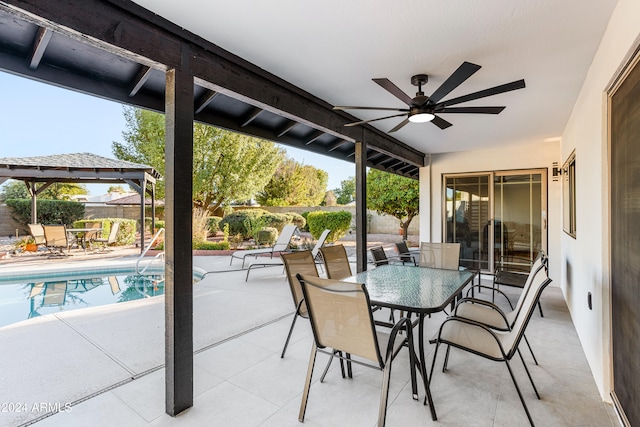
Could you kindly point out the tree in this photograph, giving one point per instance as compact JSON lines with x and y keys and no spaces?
{"x":116,"y":189}
{"x":16,"y":189}
{"x":393,"y":195}
{"x":294,"y":184}
{"x":347,"y":191}
{"x":329,"y":199}
{"x":226,"y":166}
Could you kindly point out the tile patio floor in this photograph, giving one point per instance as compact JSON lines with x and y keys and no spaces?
{"x":107,"y":363}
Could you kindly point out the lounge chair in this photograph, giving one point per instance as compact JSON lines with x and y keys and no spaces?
{"x":281,"y":245}
{"x":314,"y":253}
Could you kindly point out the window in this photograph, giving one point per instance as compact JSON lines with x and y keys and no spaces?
{"x":569,"y":195}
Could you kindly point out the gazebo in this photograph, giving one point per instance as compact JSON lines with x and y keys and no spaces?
{"x":40,"y":172}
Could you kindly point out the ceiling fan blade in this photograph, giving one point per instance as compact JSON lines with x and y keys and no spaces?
{"x":347,"y":107}
{"x":463,"y":72}
{"x":473,"y":110}
{"x":374,"y":120}
{"x":400,"y":125}
{"x":394,"y":90}
{"x":518,"y":84}
{"x":440,"y":122}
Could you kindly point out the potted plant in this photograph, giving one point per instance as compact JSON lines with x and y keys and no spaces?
{"x":26,"y":244}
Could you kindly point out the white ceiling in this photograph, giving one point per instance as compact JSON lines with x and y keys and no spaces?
{"x":333,"y":48}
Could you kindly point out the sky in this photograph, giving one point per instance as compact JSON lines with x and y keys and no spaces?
{"x":38,"y":119}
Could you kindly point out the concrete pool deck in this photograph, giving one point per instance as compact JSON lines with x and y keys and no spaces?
{"x":103,"y":366}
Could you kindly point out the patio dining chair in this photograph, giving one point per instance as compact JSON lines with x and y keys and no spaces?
{"x":341,"y":319}
{"x":298,"y":263}
{"x":336,"y":262}
{"x":491,"y":315}
{"x":57,"y":239}
{"x":504,"y":276}
{"x":37,"y":232}
{"x":486,"y":342}
{"x":281,"y":245}
{"x":407,"y":256}
{"x":380,"y":257}
{"x":113,"y":233}
{"x":440,"y":255}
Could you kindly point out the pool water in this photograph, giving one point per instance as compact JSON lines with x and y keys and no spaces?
{"x":29,"y":298}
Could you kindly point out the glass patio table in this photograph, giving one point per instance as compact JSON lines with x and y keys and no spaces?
{"x":416,"y":290}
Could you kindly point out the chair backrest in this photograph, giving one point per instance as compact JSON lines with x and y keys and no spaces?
{"x":538,"y":269}
{"x":93,"y":234}
{"x":379,"y":255}
{"x":55,"y":294}
{"x":282,"y":243}
{"x":319,"y":243}
{"x":56,"y":236}
{"x":403,"y":251}
{"x":303,"y":263}
{"x":538,"y":283}
{"x":341,"y":318}
{"x":37,"y":232}
{"x":336,"y":262}
{"x":440,"y":255}
{"x":113,"y":233}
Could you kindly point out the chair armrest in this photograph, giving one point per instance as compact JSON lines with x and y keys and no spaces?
{"x":490,"y":332}
{"x":484,"y":303}
{"x":491,"y":289}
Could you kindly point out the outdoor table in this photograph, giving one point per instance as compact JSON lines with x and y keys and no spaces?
{"x":416,"y":290}
{"x":81,"y":235}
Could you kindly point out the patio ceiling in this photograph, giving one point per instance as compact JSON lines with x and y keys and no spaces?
{"x":124,"y":55}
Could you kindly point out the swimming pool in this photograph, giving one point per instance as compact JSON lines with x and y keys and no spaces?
{"x":27,"y":295}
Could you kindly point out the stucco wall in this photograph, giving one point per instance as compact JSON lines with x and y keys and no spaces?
{"x":538,"y":155}
{"x":585,"y":259}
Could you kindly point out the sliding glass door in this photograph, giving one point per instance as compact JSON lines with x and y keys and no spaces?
{"x":496,"y":216}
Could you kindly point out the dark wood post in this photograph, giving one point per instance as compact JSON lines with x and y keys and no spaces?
{"x":361,"y":205}
{"x":178,"y":254}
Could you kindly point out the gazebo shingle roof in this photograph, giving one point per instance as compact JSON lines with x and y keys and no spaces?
{"x":76,"y":161}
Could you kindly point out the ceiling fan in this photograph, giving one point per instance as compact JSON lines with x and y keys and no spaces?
{"x":424,"y":108}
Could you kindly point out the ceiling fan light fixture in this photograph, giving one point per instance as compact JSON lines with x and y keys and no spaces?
{"x":421,"y":117}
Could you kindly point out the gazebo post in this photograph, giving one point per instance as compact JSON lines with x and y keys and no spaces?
{"x":34,"y":202}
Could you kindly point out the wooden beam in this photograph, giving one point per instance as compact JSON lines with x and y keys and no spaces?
{"x":39,"y":46}
{"x":286,"y":128}
{"x":255,"y":112}
{"x":205,"y":100}
{"x":314,"y":137}
{"x":178,"y":255}
{"x":141,"y":77}
{"x":338,"y":145}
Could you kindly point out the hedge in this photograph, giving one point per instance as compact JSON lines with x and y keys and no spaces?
{"x":126,"y":233}
{"x":338,"y":222}
{"x":267,"y":236}
{"x":243,"y":222}
{"x":49,"y":211}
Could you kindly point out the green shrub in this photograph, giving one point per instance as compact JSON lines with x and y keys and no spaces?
{"x":267,"y":236}
{"x":49,"y":211}
{"x":337,"y":222}
{"x":213,"y":222}
{"x":306,"y":221}
{"x":299,"y":220}
{"x":244,"y":222}
{"x":211,"y":246}
{"x":275,"y":220}
{"x":160,"y":224}
{"x":126,"y":233}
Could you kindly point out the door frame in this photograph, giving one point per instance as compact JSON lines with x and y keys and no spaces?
{"x":544,"y":241}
